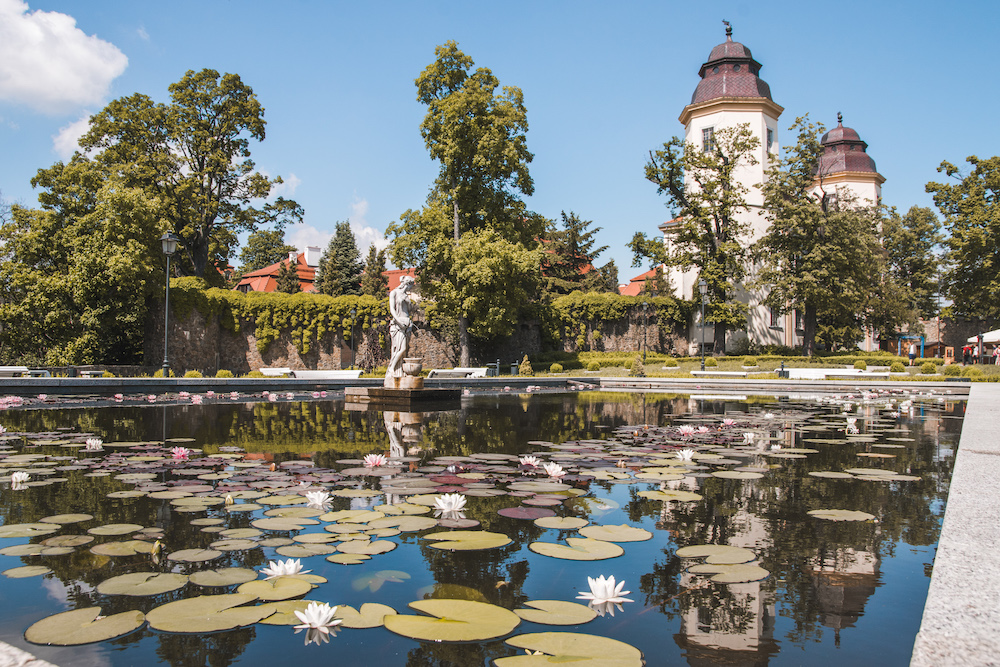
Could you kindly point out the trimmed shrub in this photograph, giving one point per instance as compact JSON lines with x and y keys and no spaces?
{"x":972,"y":372}
{"x":670,"y":362}
{"x":525,"y":367}
{"x":594,"y":366}
{"x":637,"y":370}
{"x":952,"y":370}
{"x":928,"y":368}
{"x":223,"y":373}
{"x":193,"y":374}
{"x":711,"y":361}
{"x":750,"y":361}
{"x":255,"y":374}
{"x":897,"y":367}
{"x":861,"y":365}
{"x":159,"y":373}
{"x":107,"y":374}
{"x":556,"y":368}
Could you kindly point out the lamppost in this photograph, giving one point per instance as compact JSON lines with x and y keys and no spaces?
{"x":169,"y":242}
{"x":703,"y":288}
{"x":354,"y":314}
{"x":645,"y":325}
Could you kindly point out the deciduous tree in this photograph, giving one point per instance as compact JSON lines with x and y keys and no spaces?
{"x":910,"y":241}
{"x":264,"y":247}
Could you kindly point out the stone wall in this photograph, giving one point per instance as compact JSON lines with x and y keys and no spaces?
{"x":202,"y":344}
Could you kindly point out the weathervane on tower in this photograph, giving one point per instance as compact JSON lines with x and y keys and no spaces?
{"x":729,"y":29}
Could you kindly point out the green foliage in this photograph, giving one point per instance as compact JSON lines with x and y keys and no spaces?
{"x":525,"y":367}
{"x":711,"y":362}
{"x":264,"y":247}
{"x":670,"y":362}
{"x":255,"y":375}
{"x":910,"y":242}
{"x":223,"y":373}
{"x":339,"y":270}
{"x":193,"y":374}
{"x":374,"y":282}
{"x":556,"y":368}
{"x":159,"y":373}
{"x":928,"y":368}
{"x":193,"y":156}
{"x":637,"y":369}
{"x":594,"y":366}
{"x":952,"y":370}
{"x":705,"y":194}
{"x":749,"y":361}
{"x":288,"y":278}
{"x":898,"y":367}
{"x":861,"y":365}
{"x":822,"y":254}
{"x":568,"y":253}
{"x":972,"y":372}
{"x":76,"y":275}
{"x":107,"y":374}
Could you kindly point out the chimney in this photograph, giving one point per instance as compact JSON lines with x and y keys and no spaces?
{"x":312,"y":255}
{"x":293,"y":257}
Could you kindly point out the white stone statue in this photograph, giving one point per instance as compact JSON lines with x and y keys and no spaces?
{"x":401,"y":325}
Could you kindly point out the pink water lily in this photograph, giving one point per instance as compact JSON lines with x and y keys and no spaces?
{"x":180,"y":453}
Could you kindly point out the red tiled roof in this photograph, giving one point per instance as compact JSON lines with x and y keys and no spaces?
{"x":730,"y":71}
{"x":266,"y":279}
{"x":634,"y":287}
{"x":843,"y":150}
{"x":395,"y":275}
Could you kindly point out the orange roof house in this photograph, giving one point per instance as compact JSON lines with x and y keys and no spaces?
{"x":636,"y":285}
{"x":266,"y":279}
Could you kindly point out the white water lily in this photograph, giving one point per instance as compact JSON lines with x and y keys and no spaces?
{"x":19,"y":480}
{"x":775,"y":447}
{"x":317,"y":498}
{"x":283,"y":568}
{"x":702,"y":429}
{"x":553,"y":470}
{"x":748,"y":437}
{"x":768,"y":415}
{"x":318,"y":621}
{"x":685,"y":454}
{"x":728,"y":422}
{"x":686,"y":430}
{"x":529,"y":461}
{"x":375,"y":460}
{"x":94,"y":445}
{"x":450,"y":502}
{"x":605,"y":595}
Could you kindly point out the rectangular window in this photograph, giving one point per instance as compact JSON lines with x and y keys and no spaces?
{"x":770,"y":139}
{"x":708,"y":139}
{"x":798,"y":321}
{"x":775,"y":318}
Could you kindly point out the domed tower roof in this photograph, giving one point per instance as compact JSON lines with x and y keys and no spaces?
{"x":843,"y":150}
{"x":730,"y":71}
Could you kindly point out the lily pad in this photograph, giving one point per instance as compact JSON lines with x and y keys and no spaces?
{"x":556,"y":612}
{"x":561,"y":522}
{"x":830,"y":474}
{"x":736,"y":474}
{"x":453,"y":621}
{"x":571,"y":647}
{"x":28,"y":529}
{"x":348,"y":559}
{"x":26,"y":571}
{"x":206,"y":613}
{"x":371,"y":615}
{"x":621,"y":533}
{"x":408,"y":523}
{"x":667,"y":494}
{"x":233,"y":544}
{"x":280,"y":588}
{"x":82,"y":626}
{"x":194,"y":555}
{"x":283,"y":612}
{"x":529,"y":513}
{"x":738,"y":573}
{"x":369,"y":548}
{"x":841,"y":515}
{"x":719,"y":554}
{"x":466,"y":540}
{"x":578,"y":548}
{"x":67,"y":518}
{"x":115,"y":529}
{"x":305,"y":550}
{"x":68,"y":540}
{"x":223,"y":576}
{"x":123,"y":548}
{"x":142,"y":583}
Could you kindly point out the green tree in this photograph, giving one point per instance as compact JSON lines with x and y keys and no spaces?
{"x":604,"y":279}
{"x":194,"y":156}
{"x":478,"y":136}
{"x":910,"y":241}
{"x":568,"y":254}
{"x":78,"y":273}
{"x":822,"y":254}
{"x":339,"y":270}
{"x":288,"y":278}
{"x":711,"y":232}
{"x":264,"y":247}
{"x":971,"y":209}
{"x":656,"y":285}
{"x":374,"y":282}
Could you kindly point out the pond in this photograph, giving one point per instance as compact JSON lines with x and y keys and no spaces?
{"x":646,"y":481}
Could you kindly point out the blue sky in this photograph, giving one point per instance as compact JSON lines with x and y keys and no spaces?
{"x":603,"y":83}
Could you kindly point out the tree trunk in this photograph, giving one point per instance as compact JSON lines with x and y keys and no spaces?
{"x":465,"y":355}
{"x":809,"y":330}
{"x":720,"y":339}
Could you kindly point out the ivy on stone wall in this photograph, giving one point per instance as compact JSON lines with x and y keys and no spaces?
{"x":307,"y":317}
{"x":574,"y":313}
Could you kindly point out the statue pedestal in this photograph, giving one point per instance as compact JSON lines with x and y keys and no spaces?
{"x":399,"y":397}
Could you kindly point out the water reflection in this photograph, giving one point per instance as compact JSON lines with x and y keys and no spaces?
{"x":823,"y":579}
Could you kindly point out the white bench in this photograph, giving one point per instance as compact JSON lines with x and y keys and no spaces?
{"x":730,"y":374}
{"x":328,"y":375}
{"x":828,"y":373}
{"x":458,"y":372}
{"x":92,"y":374}
{"x":275,"y":372}
{"x":13,"y":371}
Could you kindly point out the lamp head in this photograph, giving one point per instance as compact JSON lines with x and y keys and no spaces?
{"x":169,"y":242}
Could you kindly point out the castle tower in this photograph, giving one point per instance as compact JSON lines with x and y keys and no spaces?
{"x":846,"y":167}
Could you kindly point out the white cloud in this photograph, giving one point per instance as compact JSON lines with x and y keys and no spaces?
{"x":67,"y":141}
{"x":49,"y":64}
{"x":287,"y":187}
{"x":364,"y":234}
{"x":143,"y":35}
{"x":303,"y":236}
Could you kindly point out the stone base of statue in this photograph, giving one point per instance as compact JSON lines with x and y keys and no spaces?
{"x":400,"y":392}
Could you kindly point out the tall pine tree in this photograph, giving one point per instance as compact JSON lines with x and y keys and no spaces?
{"x":288,"y":278}
{"x":374,"y":282}
{"x":339,"y":270}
